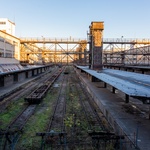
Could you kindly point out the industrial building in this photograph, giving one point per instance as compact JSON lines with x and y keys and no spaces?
{"x":7,"y":26}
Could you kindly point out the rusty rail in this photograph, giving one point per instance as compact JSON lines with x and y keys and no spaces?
{"x":38,"y":94}
{"x":12,"y":133}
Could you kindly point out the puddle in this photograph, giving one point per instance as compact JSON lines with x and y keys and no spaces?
{"x":56,"y":85}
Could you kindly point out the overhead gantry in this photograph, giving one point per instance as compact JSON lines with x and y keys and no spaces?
{"x":101,"y":51}
{"x":126,"y":52}
{"x":47,"y":50}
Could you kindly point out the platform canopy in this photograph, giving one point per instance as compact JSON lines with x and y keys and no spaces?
{"x":132,"y":84}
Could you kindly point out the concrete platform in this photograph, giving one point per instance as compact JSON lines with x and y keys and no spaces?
{"x":135,"y":127}
{"x":139,"y":69}
{"x":4,"y":91}
{"x":132,"y":84}
{"x":10,"y":74}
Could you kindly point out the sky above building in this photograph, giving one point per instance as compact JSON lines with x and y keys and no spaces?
{"x":71,"y":18}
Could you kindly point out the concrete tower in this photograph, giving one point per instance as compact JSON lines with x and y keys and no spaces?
{"x":95,"y":43}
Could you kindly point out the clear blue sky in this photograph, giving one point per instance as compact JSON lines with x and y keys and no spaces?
{"x":65,"y":18}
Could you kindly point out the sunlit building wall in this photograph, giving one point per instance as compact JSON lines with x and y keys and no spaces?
{"x":7,"y":26}
{"x":9,"y":46}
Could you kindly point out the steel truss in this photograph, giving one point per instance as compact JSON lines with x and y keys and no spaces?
{"x":115,"y":51}
{"x":53,"y":51}
{"x":126,"y":52}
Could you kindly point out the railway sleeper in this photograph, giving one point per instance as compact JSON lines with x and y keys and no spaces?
{"x":37,"y":95}
{"x":53,"y":138}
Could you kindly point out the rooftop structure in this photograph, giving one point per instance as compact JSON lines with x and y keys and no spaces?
{"x":7,"y":26}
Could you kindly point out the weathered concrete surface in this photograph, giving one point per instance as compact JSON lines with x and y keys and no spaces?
{"x":123,"y":121}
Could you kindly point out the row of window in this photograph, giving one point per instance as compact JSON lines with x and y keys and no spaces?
{"x":9,"y":42}
{"x":7,"y":55}
{"x":2,"y":22}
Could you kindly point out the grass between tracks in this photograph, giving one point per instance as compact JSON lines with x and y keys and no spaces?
{"x":76,"y":124}
{"x":11,"y":112}
{"x":37,"y":123}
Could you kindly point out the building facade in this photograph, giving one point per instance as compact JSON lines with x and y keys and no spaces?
{"x":7,"y":26}
{"x":9,"y":46}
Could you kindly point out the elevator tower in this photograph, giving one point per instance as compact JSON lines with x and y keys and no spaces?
{"x":95,"y":45}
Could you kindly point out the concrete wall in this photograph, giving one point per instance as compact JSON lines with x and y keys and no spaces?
{"x":43,"y":70}
{"x":15,"y":75}
{"x":7,"y":26}
{"x":1,"y":81}
{"x":8,"y":80}
{"x":9,"y":61}
{"x":29,"y":74}
{"x":12,"y":40}
{"x":21,"y":76}
{"x":39,"y":70}
{"x":34,"y":72}
{"x":6,"y":48}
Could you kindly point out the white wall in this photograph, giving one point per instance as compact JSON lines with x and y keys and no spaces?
{"x":8,"y":61}
{"x":6,"y":49}
{"x":9,"y":44}
{"x":7,"y":26}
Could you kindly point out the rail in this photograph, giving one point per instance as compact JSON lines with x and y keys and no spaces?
{"x":38,"y":94}
{"x":55,"y":127}
{"x":92,"y":111}
{"x":11,"y":135}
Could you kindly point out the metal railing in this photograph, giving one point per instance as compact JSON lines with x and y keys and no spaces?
{"x":45,"y":39}
{"x":126,"y":40}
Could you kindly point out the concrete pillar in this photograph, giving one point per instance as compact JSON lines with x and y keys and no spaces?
{"x":26,"y":74}
{"x":113,"y":89}
{"x":105,"y":85}
{"x":15,"y":75}
{"x":21,"y":76}
{"x":8,"y":80}
{"x":126,"y":98}
{"x":1,"y":81}
{"x":82,"y":71}
{"x":93,"y":79}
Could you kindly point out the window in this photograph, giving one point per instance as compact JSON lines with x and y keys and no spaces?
{"x":2,"y":22}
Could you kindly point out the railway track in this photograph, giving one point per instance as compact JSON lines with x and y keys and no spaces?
{"x":23,"y":90}
{"x":75,"y":122}
{"x":95,"y":129}
{"x":82,"y":124}
{"x":55,"y":135}
{"x":56,"y":122}
{"x":10,"y":136}
{"x":37,"y":95}
{"x":90,"y":110}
